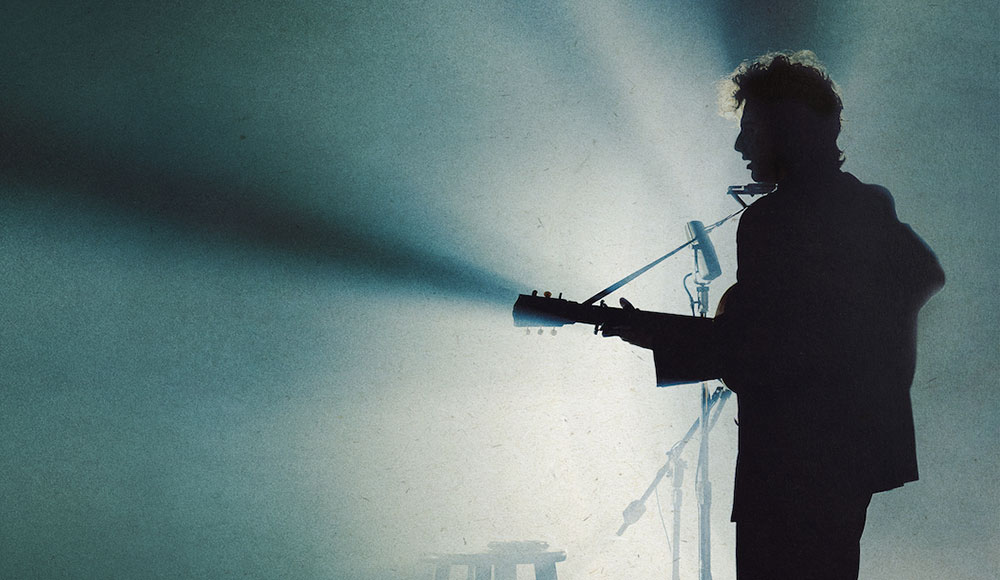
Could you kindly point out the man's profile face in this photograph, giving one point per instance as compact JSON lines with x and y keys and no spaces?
{"x":758,"y":145}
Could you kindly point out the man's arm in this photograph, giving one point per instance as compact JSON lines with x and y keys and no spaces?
{"x":680,"y":355}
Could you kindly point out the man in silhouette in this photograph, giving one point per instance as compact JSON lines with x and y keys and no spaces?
{"x":817,"y":337}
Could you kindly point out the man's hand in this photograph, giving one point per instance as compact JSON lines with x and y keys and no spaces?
{"x":636,"y":333}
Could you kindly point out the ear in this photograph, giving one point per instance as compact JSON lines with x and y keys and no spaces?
{"x":804,"y":128}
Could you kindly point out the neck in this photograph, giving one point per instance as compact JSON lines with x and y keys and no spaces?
{"x":805,"y":172}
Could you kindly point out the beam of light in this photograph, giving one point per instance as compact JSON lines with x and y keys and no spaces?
{"x":664,"y":68}
{"x":665,"y":81}
{"x":546,"y":132}
{"x":527,"y":125}
{"x":521,"y":139}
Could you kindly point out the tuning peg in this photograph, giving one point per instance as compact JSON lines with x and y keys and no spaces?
{"x":547,"y":294}
{"x":553,"y":332}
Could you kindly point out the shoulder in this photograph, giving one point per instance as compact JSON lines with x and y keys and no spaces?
{"x":874,"y":200}
{"x":900,"y":244}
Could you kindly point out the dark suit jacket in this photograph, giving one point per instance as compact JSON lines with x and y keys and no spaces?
{"x":818,"y":341}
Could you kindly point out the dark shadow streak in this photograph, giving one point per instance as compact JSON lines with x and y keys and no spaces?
{"x":33,"y":154}
{"x":753,"y":27}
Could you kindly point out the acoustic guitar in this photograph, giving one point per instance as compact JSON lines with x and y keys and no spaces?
{"x":683,"y":348}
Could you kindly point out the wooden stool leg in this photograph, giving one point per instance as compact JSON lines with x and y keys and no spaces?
{"x":545,"y":571}
{"x":506,"y":572}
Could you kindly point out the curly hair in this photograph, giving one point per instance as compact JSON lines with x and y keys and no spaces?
{"x":787,"y":76}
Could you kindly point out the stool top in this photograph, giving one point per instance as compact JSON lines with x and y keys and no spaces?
{"x":499,"y":558}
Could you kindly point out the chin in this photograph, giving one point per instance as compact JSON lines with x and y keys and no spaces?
{"x":760,"y":176}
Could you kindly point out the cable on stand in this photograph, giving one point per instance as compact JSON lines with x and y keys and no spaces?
{"x":675,"y":467}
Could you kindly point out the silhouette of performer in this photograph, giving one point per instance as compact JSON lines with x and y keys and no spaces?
{"x":818,"y":336}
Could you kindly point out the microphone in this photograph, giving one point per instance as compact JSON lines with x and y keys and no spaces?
{"x":708,"y":266}
{"x":751,"y":189}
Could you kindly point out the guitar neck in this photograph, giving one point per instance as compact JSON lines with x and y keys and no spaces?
{"x":534,"y":310}
{"x":683,"y":350}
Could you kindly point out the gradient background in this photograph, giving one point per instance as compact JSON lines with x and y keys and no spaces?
{"x":258,"y":261}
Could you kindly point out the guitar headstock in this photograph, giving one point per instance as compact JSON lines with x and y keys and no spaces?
{"x":543,"y":311}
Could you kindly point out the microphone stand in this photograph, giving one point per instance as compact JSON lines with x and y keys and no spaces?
{"x":703,"y":487}
{"x":675,"y":468}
